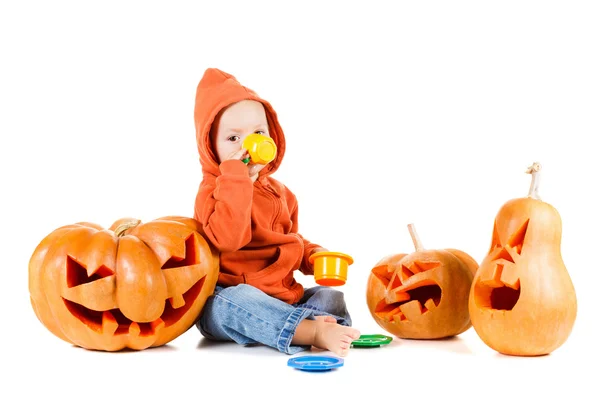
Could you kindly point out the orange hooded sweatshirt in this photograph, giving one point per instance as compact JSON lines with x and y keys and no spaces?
{"x":253,"y":225}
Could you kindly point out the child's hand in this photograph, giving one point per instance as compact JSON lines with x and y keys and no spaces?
{"x":253,"y":169}
{"x":238,"y":155}
{"x":318,"y":250}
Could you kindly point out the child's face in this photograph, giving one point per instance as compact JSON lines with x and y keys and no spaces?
{"x":233,"y":125}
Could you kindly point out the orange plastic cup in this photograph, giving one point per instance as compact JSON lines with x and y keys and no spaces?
{"x":262,"y":149}
{"x":331,"y":268}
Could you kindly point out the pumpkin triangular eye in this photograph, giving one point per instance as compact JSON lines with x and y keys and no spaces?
{"x":191,"y":256}
{"x":406,"y":273}
{"x":95,"y":291}
{"x":496,"y":243}
{"x":77,"y":274}
{"x":516,"y":240}
{"x":395,"y":281}
{"x":422,"y":266}
{"x":381,"y":272}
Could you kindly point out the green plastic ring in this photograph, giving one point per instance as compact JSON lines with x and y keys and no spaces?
{"x":371,"y":341}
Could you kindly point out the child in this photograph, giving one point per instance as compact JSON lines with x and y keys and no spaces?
{"x":252,"y":219}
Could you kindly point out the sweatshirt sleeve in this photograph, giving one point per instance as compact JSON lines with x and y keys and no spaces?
{"x":309,"y":248}
{"x":224,"y":207}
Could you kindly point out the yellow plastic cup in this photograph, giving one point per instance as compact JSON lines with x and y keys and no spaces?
{"x":262,"y":149}
{"x":331,"y":268}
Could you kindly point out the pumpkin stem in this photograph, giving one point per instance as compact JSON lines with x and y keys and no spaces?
{"x":125,"y":226}
{"x":415,"y":237}
{"x":534,"y":170}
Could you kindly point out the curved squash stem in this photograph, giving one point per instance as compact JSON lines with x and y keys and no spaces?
{"x":415,"y":237}
{"x":121,"y":229}
{"x":534,"y":170}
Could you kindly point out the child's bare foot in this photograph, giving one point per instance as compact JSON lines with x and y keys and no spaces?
{"x":325,"y":333}
{"x":334,"y":337}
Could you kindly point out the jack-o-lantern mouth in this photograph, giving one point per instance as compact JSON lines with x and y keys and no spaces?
{"x":91,"y":298}
{"x":407,"y":296}
{"x":114,"y":322}
{"x":500,"y":292}
{"x":499,"y":287}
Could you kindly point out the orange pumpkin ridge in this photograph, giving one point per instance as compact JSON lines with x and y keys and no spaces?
{"x":131,"y":286}
{"x":422,"y":295}
{"x":522,"y":301}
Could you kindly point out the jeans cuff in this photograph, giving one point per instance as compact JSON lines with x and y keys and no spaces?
{"x":289,"y":328}
{"x":307,"y":306}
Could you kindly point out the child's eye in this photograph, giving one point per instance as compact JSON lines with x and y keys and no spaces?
{"x":260,"y":132}
{"x":233,"y":138}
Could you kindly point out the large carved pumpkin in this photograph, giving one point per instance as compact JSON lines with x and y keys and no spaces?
{"x":522,"y":301}
{"x":422,"y":295}
{"x":132,"y":286}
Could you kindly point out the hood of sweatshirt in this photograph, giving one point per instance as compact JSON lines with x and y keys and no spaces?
{"x":217,"y":90}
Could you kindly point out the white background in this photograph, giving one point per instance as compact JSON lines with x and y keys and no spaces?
{"x":426,"y":113}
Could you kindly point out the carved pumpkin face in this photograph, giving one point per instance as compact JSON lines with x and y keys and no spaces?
{"x":131,"y":286}
{"x":423,"y":295}
{"x":498,"y":286}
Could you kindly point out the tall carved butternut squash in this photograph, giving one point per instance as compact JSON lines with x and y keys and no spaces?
{"x":522,"y":301}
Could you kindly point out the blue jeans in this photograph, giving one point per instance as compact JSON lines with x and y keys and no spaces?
{"x":246,"y":315}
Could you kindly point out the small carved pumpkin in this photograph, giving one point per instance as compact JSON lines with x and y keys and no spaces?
{"x":522,"y":301}
{"x":131,"y":286}
{"x":422,"y":295}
